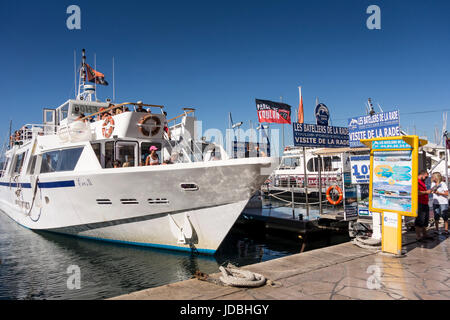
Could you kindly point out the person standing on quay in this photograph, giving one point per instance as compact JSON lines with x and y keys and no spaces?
{"x":423,"y":210}
{"x":440,"y":201}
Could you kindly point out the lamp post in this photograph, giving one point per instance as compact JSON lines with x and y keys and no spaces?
{"x":234,"y":126}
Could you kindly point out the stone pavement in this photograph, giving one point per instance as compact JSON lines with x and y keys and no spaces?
{"x":343,"y":271}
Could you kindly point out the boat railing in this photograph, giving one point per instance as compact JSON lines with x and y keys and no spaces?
{"x":289,"y":181}
{"x":122,"y":107}
{"x":29,"y":131}
{"x":190,"y":148}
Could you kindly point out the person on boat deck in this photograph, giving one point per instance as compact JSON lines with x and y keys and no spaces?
{"x":140,"y":108}
{"x":100,"y":115}
{"x":19,"y":135}
{"x":117,"y":164}
{"x":126,"y":109}
{"x":126,"y":165}
{"x":152,"y":159}
{"x":149,"y":110}
{"x":106,"y":115}
{"x":80,"y":117}
{"x":166,"y":125}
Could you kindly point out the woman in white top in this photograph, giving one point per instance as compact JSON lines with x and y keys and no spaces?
{"x":152,"y":159}
{"x":440,"y":201}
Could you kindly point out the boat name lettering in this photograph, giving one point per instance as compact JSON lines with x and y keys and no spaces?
{"x":23,"y":204}
{"x":84,"y":182}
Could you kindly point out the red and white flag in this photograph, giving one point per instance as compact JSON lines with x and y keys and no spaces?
{"x":300,"y":107}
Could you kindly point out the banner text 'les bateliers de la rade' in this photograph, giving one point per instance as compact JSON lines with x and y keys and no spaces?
{"x":312,"y":135}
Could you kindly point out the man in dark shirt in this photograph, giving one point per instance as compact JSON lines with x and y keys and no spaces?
{"x":423,"y":210}
{"x":140,"y":108}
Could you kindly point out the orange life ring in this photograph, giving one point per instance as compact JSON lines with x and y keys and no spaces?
{"x":144,"y":119}
{"x":108,"y":127}
{"x":341,"y":195}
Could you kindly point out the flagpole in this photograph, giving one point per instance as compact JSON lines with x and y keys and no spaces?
{"x":75,"y":71}
{"x":300,"y":107}
{"x":95,"y":75}
{"x":282,"y":125}
{"x":114,"y":83}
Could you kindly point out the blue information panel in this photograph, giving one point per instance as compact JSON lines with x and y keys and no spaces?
{"x":312,"y":135}
{"x":385,"y":124}
{"x":360,"y":166}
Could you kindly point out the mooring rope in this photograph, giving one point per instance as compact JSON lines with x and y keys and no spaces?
{"x":232,"y":276}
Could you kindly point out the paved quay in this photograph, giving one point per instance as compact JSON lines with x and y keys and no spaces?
{"x":342,"y":271}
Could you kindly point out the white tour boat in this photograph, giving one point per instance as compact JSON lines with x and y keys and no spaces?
{"x":59,"y":177}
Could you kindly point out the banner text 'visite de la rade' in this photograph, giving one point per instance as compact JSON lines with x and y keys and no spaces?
{"x":379,"y":125}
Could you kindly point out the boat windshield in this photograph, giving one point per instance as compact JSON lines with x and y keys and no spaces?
{"x":289,"y":163}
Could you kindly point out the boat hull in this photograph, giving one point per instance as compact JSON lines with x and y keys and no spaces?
{"x":148,"y":206}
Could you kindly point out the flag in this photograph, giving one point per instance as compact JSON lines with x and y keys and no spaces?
{"x":95,"y":76}
{"x":300,"y":118}
{"x":273,"y":112}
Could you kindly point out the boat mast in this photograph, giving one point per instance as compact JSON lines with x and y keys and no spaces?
{"x":85,"y":91}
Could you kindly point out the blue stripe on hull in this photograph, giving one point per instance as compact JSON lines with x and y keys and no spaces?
{"x":43,"y":185}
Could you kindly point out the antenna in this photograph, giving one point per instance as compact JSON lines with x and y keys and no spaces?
{"x":444,"y":127}
{"x":114,"y":83}
{"x":230,"y":122}
{"x":81,"y":80}
{"x":95,"y":76}
{"x":371,"y":111}
{"x":75,"y":71}
{"x":380,"y":108}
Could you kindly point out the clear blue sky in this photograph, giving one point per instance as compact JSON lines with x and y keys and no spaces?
{"x":218,"y":56}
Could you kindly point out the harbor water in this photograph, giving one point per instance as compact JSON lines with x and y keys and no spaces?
{"x":40,"y":265}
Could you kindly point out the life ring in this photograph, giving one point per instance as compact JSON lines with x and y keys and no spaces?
{"x":144,"y":119}
{"x":330,"y":200}
{"x":108,"y":127}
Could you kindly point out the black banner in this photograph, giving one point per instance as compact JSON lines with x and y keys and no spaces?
{"x":273,"y":112}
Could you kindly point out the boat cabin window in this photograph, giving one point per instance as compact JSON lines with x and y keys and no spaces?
{"x":328,"y":164}
{"x":126,"y":153}
{"x":145,"y":152}
{"x":60,"y":160}
{"x":313,"y":165}
{"x":97,"y":147}
{"x":19,"y":162}
{"x":4,"y":167}
{"x":33,"y":165}
{"x":289,"y":163}
{"x":64,"y":111}
{"x":109,"y":154}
